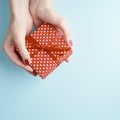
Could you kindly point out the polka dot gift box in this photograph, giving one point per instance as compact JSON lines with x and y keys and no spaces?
{"x":47,"y":49}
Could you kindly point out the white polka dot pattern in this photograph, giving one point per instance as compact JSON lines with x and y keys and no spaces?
{"x":47,"y":49}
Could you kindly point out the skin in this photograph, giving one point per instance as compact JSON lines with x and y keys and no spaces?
{"x":23,"y":14}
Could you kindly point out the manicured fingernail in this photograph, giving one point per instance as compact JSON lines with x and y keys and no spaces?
{"x":26,"y":62}
{"x":35,"y":73}
{"x":70,"y":42}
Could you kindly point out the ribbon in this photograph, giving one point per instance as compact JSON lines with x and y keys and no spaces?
{"x":48,"y":48}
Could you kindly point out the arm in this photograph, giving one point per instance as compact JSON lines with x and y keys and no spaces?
{"x":42,"y":11}
{"x":20,"y":25}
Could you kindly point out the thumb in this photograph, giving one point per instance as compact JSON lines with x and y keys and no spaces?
{"x":24,"y":53}
{"x":64,"y":27}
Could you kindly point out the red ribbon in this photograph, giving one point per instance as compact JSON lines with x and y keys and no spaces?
{"x":49,"y":48}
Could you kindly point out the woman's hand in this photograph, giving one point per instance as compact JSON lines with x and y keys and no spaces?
{"x":21,"y":22}
{"x":20,"y":25}
{"x":42,"y":11}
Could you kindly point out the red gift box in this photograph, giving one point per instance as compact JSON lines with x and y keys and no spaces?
{"x":47,"y":49}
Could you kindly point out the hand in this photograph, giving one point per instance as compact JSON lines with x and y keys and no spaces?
{"x":42,"y":11}
{"x":20,"y":25}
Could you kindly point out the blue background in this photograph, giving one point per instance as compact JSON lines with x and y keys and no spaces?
{"x":86,"y":88}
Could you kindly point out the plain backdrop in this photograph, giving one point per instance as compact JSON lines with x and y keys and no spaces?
{"x":86,"y":88}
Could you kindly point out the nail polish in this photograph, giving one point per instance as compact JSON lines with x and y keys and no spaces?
{"x":70,"y":42}
{"x":26,"y":62}
{"x":35,"y":73}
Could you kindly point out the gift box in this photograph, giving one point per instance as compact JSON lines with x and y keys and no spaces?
{"x":47,"y":49}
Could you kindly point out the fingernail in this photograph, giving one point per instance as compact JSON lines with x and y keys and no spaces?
{"x":35,"y":73}
{"x":26,"y":62}
{"x":70,"y":42}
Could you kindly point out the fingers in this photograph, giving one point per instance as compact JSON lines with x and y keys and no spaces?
{"x":18,"y":37}
{"x":50,"y":16}
{"x":8,"y":48}
{"x":68,"y":59}
{"x":59,"y":31}
{"x":33,"y":73}
{"x":63,"y":26}
{"x":37,"y":23}
{"x":23,"y":51}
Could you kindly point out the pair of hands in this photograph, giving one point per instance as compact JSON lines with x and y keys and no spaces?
{"x":23,"y":15}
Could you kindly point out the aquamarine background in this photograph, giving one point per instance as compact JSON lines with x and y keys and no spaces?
{"x":87,"y":88}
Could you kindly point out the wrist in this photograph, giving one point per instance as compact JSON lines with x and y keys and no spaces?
{"x":18,"y":9}
{"x":45,"y":2}
{"x":41,"y":4}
